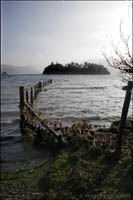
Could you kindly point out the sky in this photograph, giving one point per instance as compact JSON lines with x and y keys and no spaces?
{"x":35,"y":33}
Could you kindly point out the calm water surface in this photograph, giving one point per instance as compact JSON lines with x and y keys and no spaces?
{"x":68,"y":99}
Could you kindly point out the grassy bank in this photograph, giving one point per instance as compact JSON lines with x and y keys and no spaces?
{"x":76,"y":172}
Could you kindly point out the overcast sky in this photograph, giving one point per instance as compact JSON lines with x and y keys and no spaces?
{"x":37,"y":33}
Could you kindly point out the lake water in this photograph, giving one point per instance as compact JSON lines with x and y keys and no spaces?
{"x":68,"y":99}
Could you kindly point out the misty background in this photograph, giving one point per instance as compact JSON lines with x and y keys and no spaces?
{"x":36,"y":33}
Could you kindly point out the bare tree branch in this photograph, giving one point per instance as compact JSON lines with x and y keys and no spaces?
{"x":121,"y":61}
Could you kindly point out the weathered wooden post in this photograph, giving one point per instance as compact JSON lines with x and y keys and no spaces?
{"x":37,"y":88}
{"x":27,"y":96}
{"x":40,"y":85}
{"x":31,"y":95}
{"x":21,"y":92}
{"x":22,"y":98}
{"x":35,"y":92}
{"x":124,"y":116}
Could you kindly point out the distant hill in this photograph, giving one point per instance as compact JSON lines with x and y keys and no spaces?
{"x":11,"y":69}
{"x":75,"y":68}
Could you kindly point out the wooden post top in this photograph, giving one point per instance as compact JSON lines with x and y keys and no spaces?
{"x":130,"y":85}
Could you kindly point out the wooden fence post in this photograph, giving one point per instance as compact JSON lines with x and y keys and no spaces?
{"x":35,"y":92}
{"x":37,"y":88}
{"x":31,"y":95}
{"x":40,"y":85}
{"x":26,"y":108}
{"x":124,"y":116}
{"x":22,"y":98}
{"x":27,"y":96}
{"x":21,"y":92}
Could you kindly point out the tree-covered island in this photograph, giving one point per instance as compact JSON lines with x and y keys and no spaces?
{"x":75,"y":68}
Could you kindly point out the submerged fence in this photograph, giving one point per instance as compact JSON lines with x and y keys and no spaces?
{"x":41,"y":128}
{"x":28,"y":116}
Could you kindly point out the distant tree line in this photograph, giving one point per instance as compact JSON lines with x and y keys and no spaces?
{"x":75,"y":68}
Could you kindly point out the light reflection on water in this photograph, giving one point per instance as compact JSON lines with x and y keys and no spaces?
{"x":76,"y":98}
{"x":78,"y":102}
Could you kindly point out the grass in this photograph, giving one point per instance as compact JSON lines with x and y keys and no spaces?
{"x":80,"y":172}
{"x":76,"y":172}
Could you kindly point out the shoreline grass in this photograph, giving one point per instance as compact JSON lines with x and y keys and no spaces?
{"x":76,"y":172}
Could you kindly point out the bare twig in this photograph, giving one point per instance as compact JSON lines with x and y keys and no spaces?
{"x":122,"y":61}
